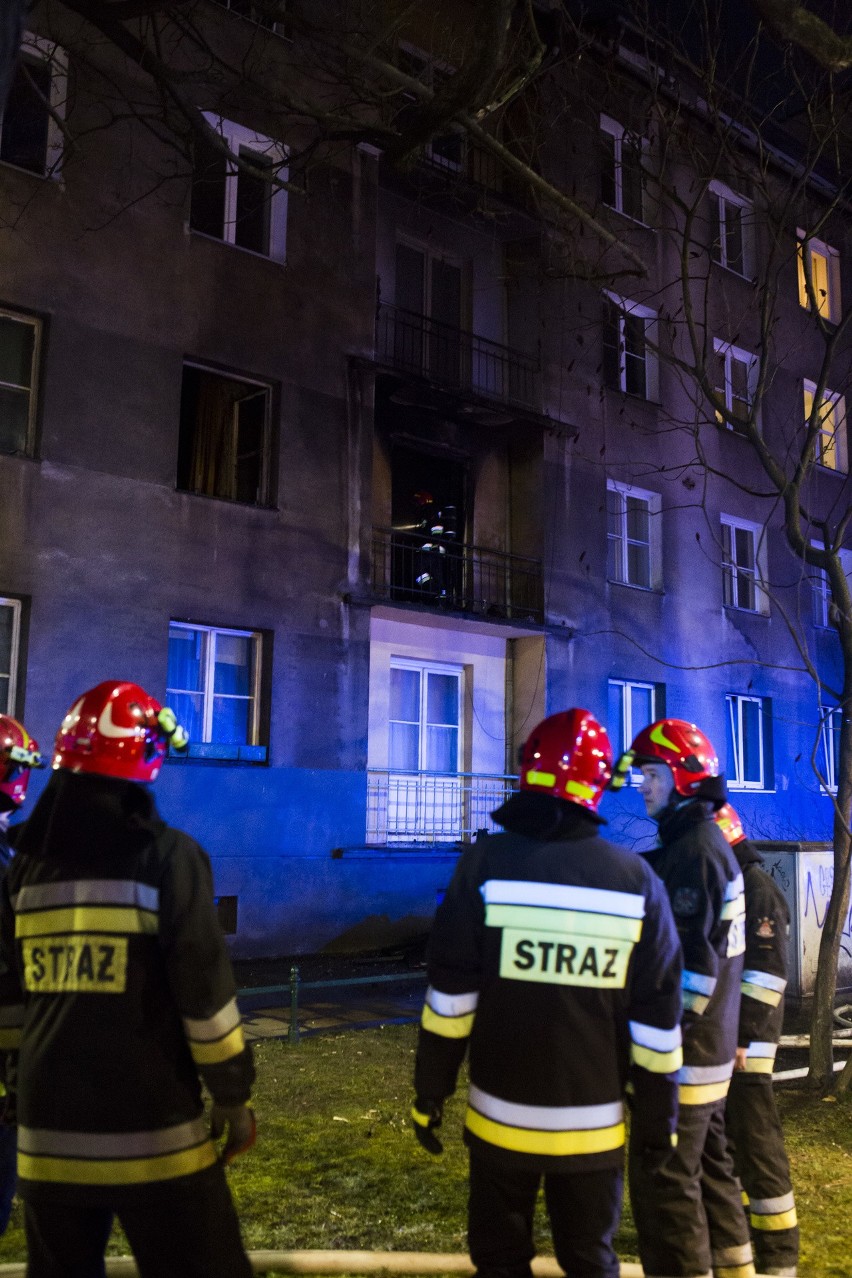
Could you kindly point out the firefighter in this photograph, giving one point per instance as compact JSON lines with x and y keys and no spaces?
{"x":554,"y":957}
{"x":18,"y":755}
{"x":754,"y":1128}
{"x":689,"y":1217}
{"x":114,"y":968}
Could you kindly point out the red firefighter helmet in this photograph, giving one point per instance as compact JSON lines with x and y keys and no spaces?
{"x":117,"y":730}
{"x":568,"y":755}
{"x":685,"y":749}
{"x":730,"y":824}
{"x":18,"y":754}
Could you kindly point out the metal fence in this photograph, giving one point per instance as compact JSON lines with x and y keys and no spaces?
{"x":455,"y":357}
{"x":409,"y":569}
{"x":432,"y":807}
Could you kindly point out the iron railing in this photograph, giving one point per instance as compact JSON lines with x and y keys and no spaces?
{"x":408,"y":568}
{"x":432,"y":807}
{"x":453,"y":357}
{"x":459,"y":156}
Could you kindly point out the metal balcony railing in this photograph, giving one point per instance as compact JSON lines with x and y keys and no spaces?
{"x":456,"y":155}
{"x":455,"y":358}
{"x":432,"y":807}
{"x":407,"y":568}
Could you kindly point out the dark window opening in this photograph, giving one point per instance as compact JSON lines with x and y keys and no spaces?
{"x":17,"y":370}
{"x":428,"y":516}
{"x":209,"y":180}
{"x":253,"y":203}
{"x":24,"y":130}
{"x":223,"y":442}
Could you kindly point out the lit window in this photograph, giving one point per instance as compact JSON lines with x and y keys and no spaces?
{"x":424,"y":717}
{"x":732,"y":245}
{"x":741,"y":569}
{"x":19,"y":349}
{"x":30,"y":136}
{"x":632,"y":706}
{"x":736,"y":383}
{"x":819,"y":276}
{"x":632,"y":535}
{"x":214,"y":686}
{"x":10,"y":638}
{"x":830,"y":442}
{"x":241,"y":206}
{"x":223,"y":445}
{"x":630,"y":361}
{"x":622,"y":173}
{"x":748,"y":740}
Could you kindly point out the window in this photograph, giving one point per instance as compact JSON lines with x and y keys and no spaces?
{"x":446,"y":151}
{"x":632,"y":706}
{"x":819,"y":276}
{"x":223,"y":445}
{"x":235,"y":204}
{"x":424,"y":717}
{"x":749,"y":743}
{"x":10,"y":638}
{"x":622,"y":175}
{"x":821,"y":591}
{"x":429,"y":289}
{"x":733,"y":228}
{"x":214,"y":689}
{"x":259,"y":13}
{"x":630,"y":363}
{"x":830,"y":739}
{"x":741,"y":567}
{"x":736,"y":383}
{"x":19,"y":349}
{"x":830,"y":442}
{"x":30,"y":137}
{"x":632,"y":535}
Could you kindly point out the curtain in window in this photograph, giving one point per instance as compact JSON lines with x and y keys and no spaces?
{"x":214,"y":447}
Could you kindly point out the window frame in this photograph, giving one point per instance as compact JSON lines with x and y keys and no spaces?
{"x":761,"y":601}
{"x":629,"y":730}
{"x":730,"y":353}
{"x":724,"y":197}
{"x":829,"y":753}
{"x":424,"y":668}
{"x":19,"y":317}
{"x":39,"y":49}
{"x":654,"y":504}
{"x":215,"y":749}
{"x":621,"y":308}
{"x":237,"y":137}
{"x":839,"y":434}
{"x":736,"y":700}
{"x":266,"y":485}
{"x":618,"y":132}
{"x":15,"y":606}
{"x":820,"y":591}
{"x":833,"y":298}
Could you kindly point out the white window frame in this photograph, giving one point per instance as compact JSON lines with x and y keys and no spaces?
{"x":425,"y":668}
{"x":631,"y":729}
{"x":14,"y":605}
{"x":236,"y":136}
{"x":654,"y":504}
{"x":724,"y":198}
{"x":47,"y":51}
{"x":757,"y":576}
{"x":809,"y":246}
{"x":209,"y":693}
{"x":618,"y":132}
{"x":734,"y":703}
{"x":820,"y":587}
{"x":730,"y":354}
{"x":18,"y":318}
{"x":432,"y":254}
{"x":651,"y":320}
{"x":830,"y":757}
{"x":833,"y":440}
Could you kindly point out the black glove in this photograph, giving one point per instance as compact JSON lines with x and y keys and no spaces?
{"x":236,"y":1123}
{"x":426,"y":1116}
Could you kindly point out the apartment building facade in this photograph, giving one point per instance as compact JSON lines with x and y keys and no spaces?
{"x":363,"y":480}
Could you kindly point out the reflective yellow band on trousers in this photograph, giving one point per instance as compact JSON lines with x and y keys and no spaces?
{"x":116,"y":1171}
{"x":702,"y":1093}
{"x":527,"y":1141}
{"x":784,"y":1220}
{"x":87,"y":918}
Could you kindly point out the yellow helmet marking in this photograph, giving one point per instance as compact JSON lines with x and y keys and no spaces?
{"x":659,"y":737}
{"x":540,"y":778}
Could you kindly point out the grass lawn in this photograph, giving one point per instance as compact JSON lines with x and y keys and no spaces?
{"x":336,"y":1164}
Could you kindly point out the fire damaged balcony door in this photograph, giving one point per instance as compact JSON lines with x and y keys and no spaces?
{"x":428,"y":518}
{"x":425,"y":794}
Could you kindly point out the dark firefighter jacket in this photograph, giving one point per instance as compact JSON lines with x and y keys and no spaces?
{"x":705,"y":888}
{"x":117,"y":991}
{"x":554,"y":957}
{"x":764,"y":979}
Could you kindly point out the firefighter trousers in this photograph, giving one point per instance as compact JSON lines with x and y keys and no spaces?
{"x":187,"y":1229}
{"x":689,"y":1215}
{"x":757,"y":1145}
{"x":584,"y":1210}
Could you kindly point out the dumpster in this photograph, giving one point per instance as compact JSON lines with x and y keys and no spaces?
{"x":805,"y":873}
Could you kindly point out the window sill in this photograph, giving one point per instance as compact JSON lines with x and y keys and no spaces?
{"x":33,"y":173}
{"x":730,"y":270}
{"x":749,"y":789}
{"x":238,"y":248}
{"x":639,"y":399}
{"x":232,"y":501}
{"x":628,"y":217}
{"x":214,"y":752}
{"x":633,"y":585}
{"x":748,"y":612}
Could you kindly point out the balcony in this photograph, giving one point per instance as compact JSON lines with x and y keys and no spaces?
{"x":432,"y":807}
{"x":407,"y":569}
{"x":454,"y":358}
